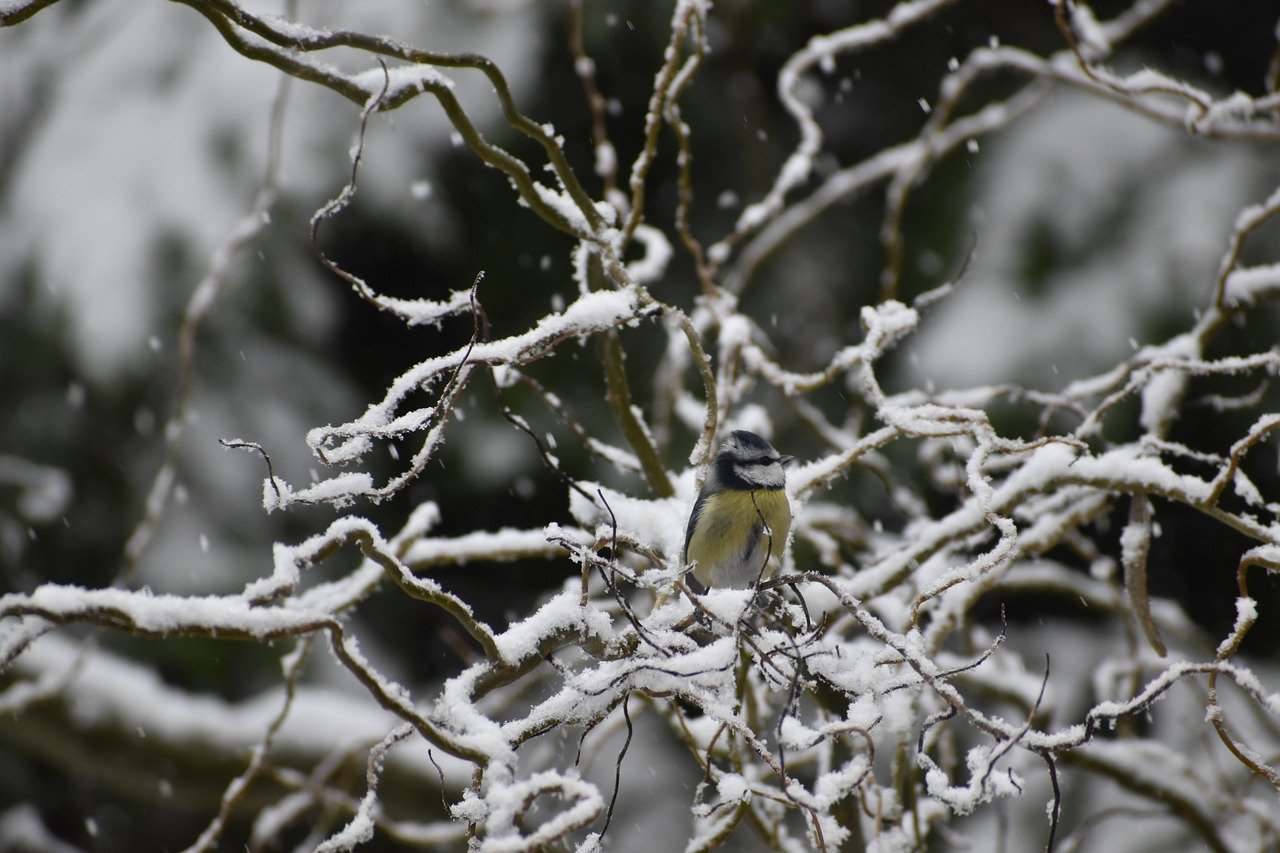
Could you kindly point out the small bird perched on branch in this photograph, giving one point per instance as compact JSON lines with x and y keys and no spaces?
{"x":739,"y":523}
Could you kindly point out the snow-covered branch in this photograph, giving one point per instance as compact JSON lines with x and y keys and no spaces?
{"x":987,"y":603}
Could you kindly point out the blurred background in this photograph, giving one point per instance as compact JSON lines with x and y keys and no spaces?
{"x":132,"y":139}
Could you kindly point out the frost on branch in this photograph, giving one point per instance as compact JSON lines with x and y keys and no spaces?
{"x":1028,"y":597}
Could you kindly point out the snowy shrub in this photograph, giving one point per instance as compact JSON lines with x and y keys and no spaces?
{"x":975,"y":637}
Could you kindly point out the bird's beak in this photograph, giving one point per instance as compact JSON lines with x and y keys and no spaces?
{"x":784,"y":461}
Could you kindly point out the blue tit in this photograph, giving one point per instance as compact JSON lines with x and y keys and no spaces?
{"x":739,"y":523}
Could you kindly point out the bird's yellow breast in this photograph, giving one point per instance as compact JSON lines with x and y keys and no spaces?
{"x":739,"y":536}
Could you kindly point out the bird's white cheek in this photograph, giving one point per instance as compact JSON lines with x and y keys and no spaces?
{"x":770,"y":477}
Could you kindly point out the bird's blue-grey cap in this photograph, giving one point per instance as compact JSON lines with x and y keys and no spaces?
{"x":750,"y":441}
